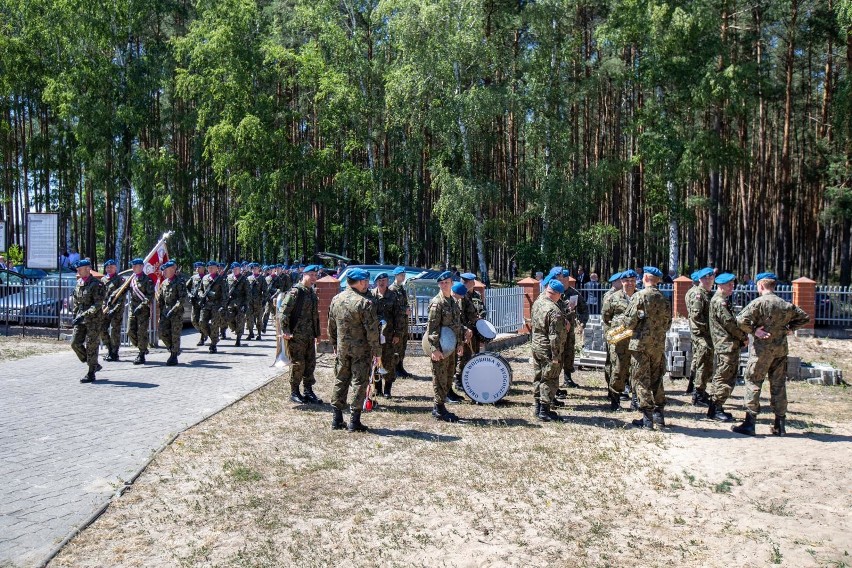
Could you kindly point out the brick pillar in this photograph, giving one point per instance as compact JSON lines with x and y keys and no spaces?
{"x":804,"y":296}
{"x":532,"y":289}
{"x":682,"y":284}
{"x":327,"y":288}
{"x":479,"y":287}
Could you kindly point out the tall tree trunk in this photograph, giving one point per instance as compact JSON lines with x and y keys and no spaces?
{"x":784,"y":233}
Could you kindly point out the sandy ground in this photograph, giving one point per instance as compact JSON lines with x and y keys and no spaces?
{"x":17,"y":347}
{"x":267,"y":483}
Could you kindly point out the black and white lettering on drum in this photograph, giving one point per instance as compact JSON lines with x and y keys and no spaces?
{"x":487,"y":378}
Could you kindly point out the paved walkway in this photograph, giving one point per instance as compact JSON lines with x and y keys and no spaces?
{"x":66,"y":447}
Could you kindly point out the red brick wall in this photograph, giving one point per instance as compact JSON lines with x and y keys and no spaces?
{"x":532,"y":289}
{"x":327,"y":288}
{"x":804,"y":296}
{"x":682,"y":284}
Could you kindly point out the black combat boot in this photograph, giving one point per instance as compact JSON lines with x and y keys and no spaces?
{"x":626,"y":394}
{"x":747,"y":427}
{"x":658,"y":417}
{"x":201,"y":341}
{"x":237,"y":342}
{"x":780,"y":426}
{"x":646,"y":422}
{"x":690,"y":386}
{"x":614,"y":402}
{"x":441,"y":413}
{"x":355,"y":422}
{"x":311,"y":397}
{"x":297,"y":397}
{"x":337,"y":419}
{"x":172,"y":361}
{"x":699,"y":398}
{"x":212,"y":349}
{"x":537,"y":407}
{"x":223,"y":334}
{"x":561,"y":393}
{"x":88,"y":377}
{"x":634,"y":401}
{"x":401,"y":372}
{"x":557,"y":403}
{"x":453,"y":397}
{"x":140,"y":359}
{"x":111,"y":356}
{"x":386,"y":392}
{"x":544,"y":413}
{"x":568,"y":381}
{"x":250,"y":337}
{"x":718,"y":413}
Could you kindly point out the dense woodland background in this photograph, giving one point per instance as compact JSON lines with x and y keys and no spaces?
{"x":471,"y":132}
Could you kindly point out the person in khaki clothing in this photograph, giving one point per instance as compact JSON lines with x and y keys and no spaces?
{"x":113,"y":309}
{"x":548,"y":340}
{"x":577,"y":314}
{"x":392,"y":322}
{"x":769,"y":319}
{"x":698,"y":308}
{"x":141,"y":295}
{"x":193,"y":290}
{"x":728,"y":341}
{"x":298,"y":323}
{"x":354,"y":331}
{"x":88,"y":306}
{"x":398,"y":286}
{"x":472,"y":309}
{"x":649,"y":315}
{"x":171,"y":300}
{"x":237,"y":304}
{"x":615,"y":286}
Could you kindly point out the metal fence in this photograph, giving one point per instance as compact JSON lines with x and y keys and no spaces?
{"x":505,"y":308}
{"x":834,"y":305}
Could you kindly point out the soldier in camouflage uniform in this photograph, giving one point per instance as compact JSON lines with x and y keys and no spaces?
{"x":614,"y":306}
{"x":88,"y":311}
{"x":171,"y":300}
{"x":444,"y":311}
{"x":698,"y":308}
{"x":615,"y":286}
{"x":649,"y":315}
{"x":398,"y":287}
{"x":472,"y":309}
{"x":392,"y":322}
{"x":141,"y":296}
{"x":272,"y":283}
{"x":548,"y":340}
{"x":113,"y":309}
{"x":769,"y":319}
{"x":257,"y":295}
{"x":193,"y":290}
{"x":298,"y":323}
{"x":353,"y":329}
{"x":578,"y":316}
{"x":728,"y":340}
{"x":223,"y":328}
{"x":213,"y":294}
{"x":238,"y":301}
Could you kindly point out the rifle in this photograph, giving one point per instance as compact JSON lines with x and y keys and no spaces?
{"x":116,"y":294}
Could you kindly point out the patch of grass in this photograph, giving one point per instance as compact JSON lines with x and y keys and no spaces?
{"x":775,"y":556}
{"x":776,"y":507}
{"x":241,"y":473}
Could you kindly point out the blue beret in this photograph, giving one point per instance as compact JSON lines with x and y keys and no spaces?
{"x":110,"y":262}
{"x":168,"y":264}
{"x":399,"y":270}
{"x":555,"y":271}
{"x":614,"y":277}
{"x":468,"y":276}
{"x":546,"y":280}
{"x":653,"y":271}
{"x":725,"y":278}
{"x":444,"y":275}
{"x":82,"y":263}
{"x":379,"y":276}
{"x":629,"y":273}
{"x":235,"y":264}
{"x":212,"y":263}
{"x":765,"y":276}
{"x":556,"y":286}
{"x":197,"y":264}
{"x":459,"y":288}
{"x":357,"y":274}
{"x":704,"y":272}
{"x":311,"y":268}
{"x":566,"y":273}
{"x":694,"y":276}
{"x":136,"y":261}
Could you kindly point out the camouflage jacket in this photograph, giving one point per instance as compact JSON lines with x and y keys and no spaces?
{"x":649,"y":315}
{"x":726,"y":334}
{"x":111,"y":286}
{"x":213,"y":291}
{"x":614,"y":305}
{"x":88,"y":299}
{"x":472,"y":309}
{"x":141,"y":289}
{"x":573,"y":314}
{"x":238,"y":291}
{"x":172,"y":296}
{"x":443,"y":311}
{"x":402,"y":296}
{"x":776,"y":317}
{"x":352,"y":324}
{"x":387,"y":310}
{"x":257,"y":289}
{"x":548,"y":329}
{"x":193,"y":287}
{"x":305,"y":324}
{"x":698,"y":307}
{"x":272,"y":283}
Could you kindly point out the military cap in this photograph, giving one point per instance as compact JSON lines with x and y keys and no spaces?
{"x":235,"y":265}
{"x":765,"y":276}
{"x":556,"y":286}
{"x":311,"y":268}
{"x":136,"y":261}
{"x":82,"y":263}
{"x":212,"y":263}
{"x":725,"y":278}
{"x":444,"y":276}
{"x":357,"y":274}
{"x":629,"y":273}
{"x":653,"y":271}
{"x":197,"y":264}
{"x":168,"y":264}
{"x":704,"y":272}
{"x":459,"y":288}
{"x":398,"y":270}
{"x":110,"y":262}
{"x":566,"y":273}
{"x":380,"y":275}
{"x":468,"y":276}
{"x":694,"y":275}
{"x":616,"y":276}
{"x":555,"y":271}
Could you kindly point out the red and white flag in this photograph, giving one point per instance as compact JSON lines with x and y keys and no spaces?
{"x":158,"y":255}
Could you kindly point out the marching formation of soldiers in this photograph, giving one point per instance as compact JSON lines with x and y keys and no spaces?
{"x":368,"y":331}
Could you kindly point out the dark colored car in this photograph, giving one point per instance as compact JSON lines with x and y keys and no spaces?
{"x":38,"y":301}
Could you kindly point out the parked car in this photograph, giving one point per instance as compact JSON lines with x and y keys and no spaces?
{"x":411,"y":272}
{"x":38,"y":301}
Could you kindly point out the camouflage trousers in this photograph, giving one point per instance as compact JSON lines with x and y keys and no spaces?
{"x":85,"y":340}
{"x":725,"y":376}
{"x":545,"y":377}
{"x":568,"y":354}
{"x":236,"y":320}
{"x":470,"y":349}
{"x":442,"y":377}
{"x":137,"y":327}
{"x":646,"y":377}
{"x":254,"y":319}
{"x":401,"y":347}
{"x":211,"y":322}
{"x":111,"y":334}
{"x":268,"y":311}
{"x":758,"y":368}
{"x":303,"y":362}
{"x":702,"y":364}
{"x":350,"y":370}
{"x":389,"y":359}
{"x":170,"y":330}
{"x":196,"y":319}
{"x":619,"y":371}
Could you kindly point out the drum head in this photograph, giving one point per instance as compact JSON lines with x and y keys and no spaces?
{"x":448,"y":342}
{"x":486,"y":329}
{"x":487,"y":378}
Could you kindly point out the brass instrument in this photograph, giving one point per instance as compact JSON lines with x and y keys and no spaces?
{"x":617,"y":334}
{"x":282,"y":346}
